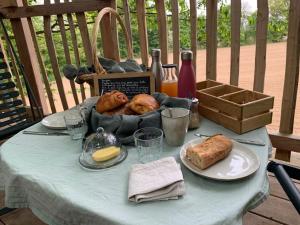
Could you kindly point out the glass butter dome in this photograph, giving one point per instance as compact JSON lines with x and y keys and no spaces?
{"x":102,"y":150}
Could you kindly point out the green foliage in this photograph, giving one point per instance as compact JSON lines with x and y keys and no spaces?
{"x":278,"y":20}
{"x":223,"y":28}
{"x":277,"y":29}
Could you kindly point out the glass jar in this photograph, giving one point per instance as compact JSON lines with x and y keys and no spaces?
{"x":194,"y":114}
{"x":170,"y":82}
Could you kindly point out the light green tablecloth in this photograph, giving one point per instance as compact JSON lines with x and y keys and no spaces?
{"x":43,"y":173}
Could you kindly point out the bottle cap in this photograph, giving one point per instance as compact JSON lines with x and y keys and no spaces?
{"x":195,"y":100}
{"x":155,"y":52}
{"x":186,"y":55}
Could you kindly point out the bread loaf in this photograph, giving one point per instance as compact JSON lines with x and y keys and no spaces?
{"x":110,"y":101}
{"x":210,"y":151}
{"x":143,"y":103}
{"x":122,"y":110}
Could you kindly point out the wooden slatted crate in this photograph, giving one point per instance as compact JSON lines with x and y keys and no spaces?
{"x":235,"y":108}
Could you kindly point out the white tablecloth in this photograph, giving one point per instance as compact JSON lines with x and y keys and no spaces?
{"x":43,"y":173}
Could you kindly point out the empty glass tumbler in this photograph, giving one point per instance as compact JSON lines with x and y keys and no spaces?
{"x":76,"y":124}
{"x":148,"y":142}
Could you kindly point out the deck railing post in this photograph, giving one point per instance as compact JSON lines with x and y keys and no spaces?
{"x":8,"y":3}
{"x":291,"y":77}
{"x":261,"y":44}
{"x":28,"y":58}
{"x":142,"y":28}
{"x":162,"y":29}
{"x":193,"y":19}
{"x":235,"y":41}
{"x":211,"y":39}
{"x":109,"y":36}
{"x":175,"y":31}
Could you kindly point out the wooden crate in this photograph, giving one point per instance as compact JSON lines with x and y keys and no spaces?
{"x":235,"y":108}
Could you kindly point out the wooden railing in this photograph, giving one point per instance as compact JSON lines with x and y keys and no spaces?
{"x":75,"y":13}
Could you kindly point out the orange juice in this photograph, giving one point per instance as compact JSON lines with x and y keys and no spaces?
{"x":169,"y":87}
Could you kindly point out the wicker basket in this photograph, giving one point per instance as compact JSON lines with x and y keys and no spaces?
{"x":92,"y":79}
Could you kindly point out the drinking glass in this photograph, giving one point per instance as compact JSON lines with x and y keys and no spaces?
{"x":76,"y":124}
{"x":175,"y":123}
{"x":148,"y":141}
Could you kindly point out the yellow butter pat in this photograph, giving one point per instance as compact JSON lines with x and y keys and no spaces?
{"x":105,"y":154}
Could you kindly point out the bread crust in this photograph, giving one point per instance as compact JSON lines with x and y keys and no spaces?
{"x":110,"y":101}
{"x":143,"y":103}
{"x":122,"y":110}
{"x":210,"y":151}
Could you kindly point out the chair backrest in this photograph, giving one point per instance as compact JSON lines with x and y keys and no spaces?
{"x":13,"y":116}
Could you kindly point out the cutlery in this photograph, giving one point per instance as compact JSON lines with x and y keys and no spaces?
{"x":240,"y":140}
{"x":45,"y":133}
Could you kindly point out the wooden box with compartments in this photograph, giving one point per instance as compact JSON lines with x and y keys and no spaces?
{"x":234,"y":108}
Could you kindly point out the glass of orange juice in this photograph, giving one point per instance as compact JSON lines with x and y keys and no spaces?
{"x":170,"y":81}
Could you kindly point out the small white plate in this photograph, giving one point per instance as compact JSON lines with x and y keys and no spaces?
{"x":55,"y":121}
{"x":86,"y":160}
{"x":240,"y":163}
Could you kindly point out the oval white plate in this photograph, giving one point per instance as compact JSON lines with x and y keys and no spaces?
{"x":55,"y":121}
{"x":240,"y":163}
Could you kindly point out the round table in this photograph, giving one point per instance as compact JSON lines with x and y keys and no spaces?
{"x":43,"y":173}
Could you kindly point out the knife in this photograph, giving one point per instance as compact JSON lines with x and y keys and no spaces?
{"x":240,"y":140}
{"x":45,"y":133}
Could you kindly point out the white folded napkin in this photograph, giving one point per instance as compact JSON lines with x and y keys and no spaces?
{"x":157,"y":180}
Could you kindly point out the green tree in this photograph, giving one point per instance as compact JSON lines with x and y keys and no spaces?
{"x":278,"y":20}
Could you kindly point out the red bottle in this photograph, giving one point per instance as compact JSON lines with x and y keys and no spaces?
{"x":187,"y":78}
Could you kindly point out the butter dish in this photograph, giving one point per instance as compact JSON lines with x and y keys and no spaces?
{"x":102,"y":150}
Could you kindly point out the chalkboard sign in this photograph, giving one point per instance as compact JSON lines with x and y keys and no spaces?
{"x":129,"y":83}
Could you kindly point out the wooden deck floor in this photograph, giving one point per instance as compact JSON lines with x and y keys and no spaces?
{"x":276,"y":210}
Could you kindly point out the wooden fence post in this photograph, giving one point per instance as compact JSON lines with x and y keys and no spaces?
{"x":175,"y":28}
{"x":235,"y":41}
{"x":291,"y":77}
{"x":127,"y":19}
{"x":211,"y":39}
{"x":142,"y":26}
{"x":109,"y":36}
{"x":261,"y":44}
{"x":193,"y":19}
{"x":162,"y":29}
{"x":28,"y":58}
{"x":8,"y":3}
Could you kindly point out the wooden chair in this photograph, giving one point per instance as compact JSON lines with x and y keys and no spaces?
{"x":13,"y":114}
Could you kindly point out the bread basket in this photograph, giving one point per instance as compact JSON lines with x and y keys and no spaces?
{"x":92,"y":78}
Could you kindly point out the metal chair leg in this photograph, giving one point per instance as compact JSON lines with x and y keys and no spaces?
{"x":6,"y":210}
{"x":285,"y":181}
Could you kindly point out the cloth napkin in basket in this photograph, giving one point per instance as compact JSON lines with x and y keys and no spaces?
{"x":123,"y":126}
{"x":157,"y":180}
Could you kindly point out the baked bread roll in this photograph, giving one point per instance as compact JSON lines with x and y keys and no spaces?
{"x":122,"y":110}
{"x":143,"y":103}
{"x":210,"y":151}
{"x":111,"y":100}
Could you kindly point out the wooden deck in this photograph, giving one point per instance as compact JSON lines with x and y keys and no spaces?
{"x":276,"y":210}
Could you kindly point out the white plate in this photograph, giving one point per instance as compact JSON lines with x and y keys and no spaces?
{"x":55,"y":121}
{"x":240,"y":163}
